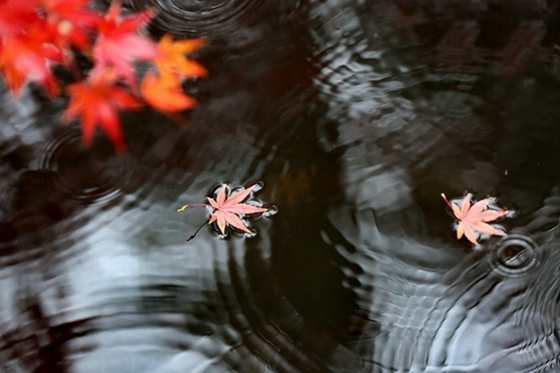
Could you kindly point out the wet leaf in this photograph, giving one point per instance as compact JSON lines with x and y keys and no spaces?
{"x":97,"y":100}
{"x":119,"y":43}
{"x":473,"y":218}
{"x":228,"y":210}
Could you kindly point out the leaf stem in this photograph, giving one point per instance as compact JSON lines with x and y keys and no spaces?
{"x":192,"y":205}
{"x":199,"y":228}
{"x":446,"y":201}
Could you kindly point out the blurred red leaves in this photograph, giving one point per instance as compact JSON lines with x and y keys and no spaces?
{"x":119,"y":42}
{"x":97,"y":100}
{"x":162,"y":90}
{"x":37,"y":35}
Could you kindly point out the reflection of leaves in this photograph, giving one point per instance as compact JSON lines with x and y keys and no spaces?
{"x":97,"y":101}
{"x":474,"y":218}
{"x":228,"y":210}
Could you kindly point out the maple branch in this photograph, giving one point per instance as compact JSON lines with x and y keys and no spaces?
{"x":199,"y":228}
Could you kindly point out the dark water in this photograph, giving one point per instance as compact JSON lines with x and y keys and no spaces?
{"x":356,"y":115}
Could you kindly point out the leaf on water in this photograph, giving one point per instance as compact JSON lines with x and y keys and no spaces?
{"x":473,"y":219}
{"x":228,"y":210}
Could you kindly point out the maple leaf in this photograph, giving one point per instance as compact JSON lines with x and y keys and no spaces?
{"x":228,"y":210}
{"x":119,"y":43}
{"x":97,"y":100}
{"x":69,"y":22}
{"x":473,"y":218}
{"x":164,"y":93}
{"x":29,"y":57}
{"x":16,"y":16}
{"x":171,"y":57}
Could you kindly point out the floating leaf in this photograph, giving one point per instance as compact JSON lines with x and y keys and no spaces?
{"x":228,"y":210}
{"x":473,"y":218}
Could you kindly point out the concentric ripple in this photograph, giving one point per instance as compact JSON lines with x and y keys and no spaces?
{"x":194,"y":16}
{"x":87,"y":176}
{"x":515,"y":254}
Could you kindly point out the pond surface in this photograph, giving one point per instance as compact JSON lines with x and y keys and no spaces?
{"x":356,"y":115}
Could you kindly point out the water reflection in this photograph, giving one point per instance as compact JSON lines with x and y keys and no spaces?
{"x":357,"y":115}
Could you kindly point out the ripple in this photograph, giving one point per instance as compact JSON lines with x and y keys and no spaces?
{"x":188,"y":16}
{"x":93,"y":176}
{"x":515,"y":254}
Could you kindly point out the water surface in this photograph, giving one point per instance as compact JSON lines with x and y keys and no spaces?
{"x":356,"y":115}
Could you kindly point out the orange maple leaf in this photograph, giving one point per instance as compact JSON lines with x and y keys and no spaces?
{"x":164,"y":93}
{"x":171,"y":57}
{"x":119,"y":43}
{"x":473,"y":218}
{"x":97,"y":100}
{"x":163,"y":90}
{"x":228,"y":210}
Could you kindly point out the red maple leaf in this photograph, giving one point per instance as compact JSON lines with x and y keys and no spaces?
{"x":228,"y":210}
{"x":16,"y":16}
{"x":97,"y":100}
{"x":119,"y":43}
{"x":473,"y":218}
{"x":69,"y":22}
{"x":29,"y":57}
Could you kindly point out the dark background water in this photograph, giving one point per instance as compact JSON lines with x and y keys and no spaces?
{"x":356,"y":115}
